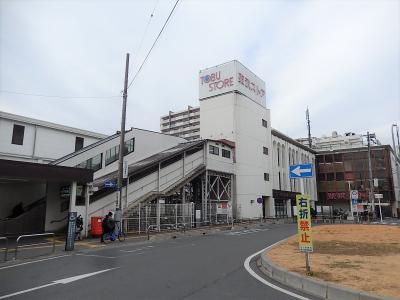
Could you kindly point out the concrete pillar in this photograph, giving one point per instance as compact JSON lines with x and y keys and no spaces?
{"x":289,"y":208}
{"x":86,"y":219}
{"x":158,"y":214}
{"x":72,"y":197}
{"x":183,"y":195}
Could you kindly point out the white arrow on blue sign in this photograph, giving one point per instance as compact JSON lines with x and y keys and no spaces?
{"x":301,"y":171}
{"x":110,"y":184}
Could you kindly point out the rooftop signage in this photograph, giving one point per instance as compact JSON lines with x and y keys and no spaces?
{"x":231,"y":76}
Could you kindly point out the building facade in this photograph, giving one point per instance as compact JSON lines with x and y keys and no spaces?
{"x":286,"y":152}
{"x":31,"y":140}
{"x":184,"y":123}
{"x":343,"y":170}
{"x":335,"y":141}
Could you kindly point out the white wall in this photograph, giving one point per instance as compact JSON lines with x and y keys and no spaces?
{"x":217,"y":162}
{"x":147,"y":143}
{"x":235,"y":117}
{"x":40,"y":143}
{"x":285,"y":149}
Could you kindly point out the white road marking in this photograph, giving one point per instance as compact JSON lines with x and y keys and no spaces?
{"x":248,"y":231}
{"x":259,"y":278}
{"x":130,"y":251}
{"x":79,"y":277}
{"x":135,"y":250}
{"x":32,"y":262}
{"x":61,"y":281}
{"x":95,"y":255}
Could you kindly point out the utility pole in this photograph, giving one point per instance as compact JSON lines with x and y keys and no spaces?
{"x":371,"y":186}
{"x":308,"y":127}
{"x":122,"y":135}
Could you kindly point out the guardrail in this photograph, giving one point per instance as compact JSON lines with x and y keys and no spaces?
{"x":2,"y":238}
{"x":34,"y":235}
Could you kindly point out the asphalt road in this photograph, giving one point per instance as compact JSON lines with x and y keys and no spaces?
{"x":200,"y":267}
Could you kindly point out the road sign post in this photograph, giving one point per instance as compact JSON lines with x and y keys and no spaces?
{"x":303,"y":205}
{"x":304,"y":227}
{"x":71,"y":227}
{"x":379,"y":197}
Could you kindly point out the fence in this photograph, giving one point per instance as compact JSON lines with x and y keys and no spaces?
{"x":159,"y":217}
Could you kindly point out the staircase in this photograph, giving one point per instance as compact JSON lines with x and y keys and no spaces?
{"x":163,"y":181}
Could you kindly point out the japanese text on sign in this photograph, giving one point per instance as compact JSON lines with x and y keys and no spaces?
{"x":304,"y":223}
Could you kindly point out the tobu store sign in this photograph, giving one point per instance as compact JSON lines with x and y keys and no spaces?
{"x":231,"y":76}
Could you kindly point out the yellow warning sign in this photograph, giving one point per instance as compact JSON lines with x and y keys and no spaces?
{"x":304,"y":223}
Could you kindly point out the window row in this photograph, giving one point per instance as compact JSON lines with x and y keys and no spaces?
{"x":113,"y":153}
{"x":95,"y":163}
{"x":215,"y":150}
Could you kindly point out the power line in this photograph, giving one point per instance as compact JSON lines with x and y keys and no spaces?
{"x":136,"y":53}
{"x":155,"y":41}
{"x":56,"y":96}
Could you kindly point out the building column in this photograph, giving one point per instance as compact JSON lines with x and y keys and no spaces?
{"x":289,"y":208}
{"x":72,"y":196}
{"x":158,"y":214}
{"x":86,"y":219}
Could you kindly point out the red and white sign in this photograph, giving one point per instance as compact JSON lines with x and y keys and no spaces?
{"x":231,"y":76}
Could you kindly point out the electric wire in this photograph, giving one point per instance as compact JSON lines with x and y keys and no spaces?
{"x":57,"y":96}
{"x":154,"y":43}
{"x":136,"y":53}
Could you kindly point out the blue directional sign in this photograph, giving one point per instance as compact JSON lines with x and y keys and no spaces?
{"x":109,"y":184}
{"x":301,"y":171}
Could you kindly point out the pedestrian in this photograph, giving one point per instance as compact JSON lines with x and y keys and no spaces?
{"x":108,"y":225}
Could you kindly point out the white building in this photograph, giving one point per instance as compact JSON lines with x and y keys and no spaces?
{"x":28,"y":139}
{"x":232,"y":107}
{"x":184,"y":123}
{"x":286,"y":152}
{"x":335,"y":141}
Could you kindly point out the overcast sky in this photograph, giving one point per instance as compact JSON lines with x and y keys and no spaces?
{"x":341,"y":58}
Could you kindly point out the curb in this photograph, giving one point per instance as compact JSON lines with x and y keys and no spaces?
{"x":319,"y":288}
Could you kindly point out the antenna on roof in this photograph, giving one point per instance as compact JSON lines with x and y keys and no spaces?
{"x":308,"y":127}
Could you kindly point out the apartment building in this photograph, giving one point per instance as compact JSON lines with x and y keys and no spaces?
{"x":184,"y":123}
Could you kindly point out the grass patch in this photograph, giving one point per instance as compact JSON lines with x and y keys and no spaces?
{"x":355,"y":248}
{"x":344,"y":265}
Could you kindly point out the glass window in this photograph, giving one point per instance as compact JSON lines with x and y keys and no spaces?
{"x":321,"y":176}
{"x":112,"y":155}
{"x":330,"y":177}
{"x":129,"y":146}
{"x":93,"y":163}
{"x":265,"y":151}
{"x":266,"y":176}
{"x":338,"y":157}
{"x":226,"y":153}
{"x":328,"y":158}
{"x":213,"y":150}
{"x":18,"y":135}
{"x":339,"y":176}
{"x":78,"y":143}
{"x":348,"y":166}
{"x":264,"y":123}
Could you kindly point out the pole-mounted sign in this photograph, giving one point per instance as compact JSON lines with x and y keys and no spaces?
{"x":301,"y":171}
{"x":304,"y":223}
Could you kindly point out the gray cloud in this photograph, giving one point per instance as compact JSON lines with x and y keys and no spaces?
{"x":341,"y":58}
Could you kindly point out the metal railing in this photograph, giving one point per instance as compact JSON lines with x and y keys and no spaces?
{"x":2,"y":238}
{"x":36,"y":244}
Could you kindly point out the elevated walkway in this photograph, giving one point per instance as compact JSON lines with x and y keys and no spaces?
{"x":159,"y":175}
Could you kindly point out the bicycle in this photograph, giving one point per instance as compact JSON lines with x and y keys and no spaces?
{"x":111,"y":237}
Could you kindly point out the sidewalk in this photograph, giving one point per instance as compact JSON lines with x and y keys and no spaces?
{"x":43,"y":247}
